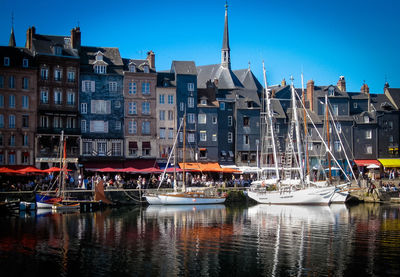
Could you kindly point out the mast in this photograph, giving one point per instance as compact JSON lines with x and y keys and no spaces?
{"x":296,"y":120}
{"x":269,"y":117}
{"x":305,"y":124}
{"x":184,"y":151}
{"x":327,"y":136}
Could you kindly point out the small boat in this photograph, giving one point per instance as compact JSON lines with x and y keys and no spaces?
{"x":190,"y":198}
{"x":46,"y":201}
{"x":65,"y":206}
{"x":9,"y":207}
{"x":27,"y":206}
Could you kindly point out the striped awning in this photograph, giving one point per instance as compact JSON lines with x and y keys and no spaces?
{"x":366,"y":162}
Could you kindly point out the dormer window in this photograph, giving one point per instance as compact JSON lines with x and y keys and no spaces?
{"x":6,"y":61}
{"x":249,"y":104}
{"x":57,"y":50}
{"x":25,"y":63}
{"x":132,"y":67}
{"x":100,"y":69}
{"x":331,"y":91}
{"x":203,"y":102}
{"x":99,"y":56}
{"x":366,"y":119}
{"x":100,"y":66}
{"x":146,"y":69}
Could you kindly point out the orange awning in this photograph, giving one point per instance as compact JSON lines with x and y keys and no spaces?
{"x":366,"y":162}
{"x":207,"y":167}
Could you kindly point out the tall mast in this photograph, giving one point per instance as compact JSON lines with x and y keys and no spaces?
{"x":305,"y":124}
{"x":184,"y":153}
{"x":296,"y":120}
{"x":269,"y":118}
{"x":327,"y":136}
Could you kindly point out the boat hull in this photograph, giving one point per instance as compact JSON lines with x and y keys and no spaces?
{"x":307,"y":196}
{"x":183,"y":199}
{"x":46,"y":201}
{"x":340,"y":197}
{"x":153,"y":200}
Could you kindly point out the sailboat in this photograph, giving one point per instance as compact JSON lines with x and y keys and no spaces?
{"x":184,"y":197}
{"x":294,"y":187}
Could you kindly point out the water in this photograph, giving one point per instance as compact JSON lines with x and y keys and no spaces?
{"x":262,"y":240}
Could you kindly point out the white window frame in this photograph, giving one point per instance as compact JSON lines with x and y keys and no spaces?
{"x":162,"y":115}
{"x":191,"y":137}
{"x":202,"y":118}
{"x":170,"y":99}
{"x":70,"y":76}
{"x":83,"y":126}
{"x":11,"y":101}
{"x":214,"y":137}
{"x":190,"y":102}
{"x":368,"y":149}
{"x":337,"y":146}
{"x":132,"y":108}
{"x":58,"y":97}
{"x":71,"y":96}
{"x":11,"y":121}
{"x":368,"y":134}
{"x":191,"y":118}
{"x":83,"y":108}
{"x":203,"y":135}
{"x":132,"y":88}
{"x":25,"y":83}
{"x":132,"y":127}
{"x":230,"y":137}
{"x":146,"y":107}
{"x":161,"y":99}
{"x":57,"y":74}
{"x":112,"y":86}
{"x":162,"y":133}
{"x":230,"y":120}
{"x":145,"y":88}
{"x":44,"y":73}
{"x":190,"y":86}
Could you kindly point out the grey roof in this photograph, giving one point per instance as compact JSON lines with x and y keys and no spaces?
{"x":111,"y":56}
{"x":16,"y":55}
{"x":225,"y":41}
{"x":166,"y":79}
{"x":394,"y":94}
{"x":320,"y":91}
{"x":247,"y":78}
{"x":277,"y":109}
{"x":243,"y":96}
{"x":225,"y":76}
{"x":138,"y":63}
{"x":381,"y":103}
{"x":184,"y":67}
{"x":359,"y":119}
{"x":358,"y":95}
{"x":43,"y":44}
{"x":11,"y":42}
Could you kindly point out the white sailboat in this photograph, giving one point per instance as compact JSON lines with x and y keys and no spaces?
{"x":294,"y":188}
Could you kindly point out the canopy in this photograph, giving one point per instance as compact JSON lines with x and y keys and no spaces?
{"x":128,"y":169}
{"x":30,"y":169}
{"x":8,"y":170}
{"x":366,"y":162}
{"x":108,"y":169}
{"x":149,"y":170}
{"x":207,"y":167}
{"x":371,"y":166}
{"x":390,"y":162}
{"x":53,"y":169}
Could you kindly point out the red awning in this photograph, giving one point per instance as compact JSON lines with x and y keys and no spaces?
{"x":26,"y":154}
{"x":150,"y":170}
{"x":202,"y":149}
{"x":367,"y":162}
{"x":108,"y":169}
{"x":7,"y":170}
{"x":146,"y":145}
{"x":30,"y":169}
{"x":133,"y":145}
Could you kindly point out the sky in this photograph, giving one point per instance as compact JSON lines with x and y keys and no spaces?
{"x":324,"y":39}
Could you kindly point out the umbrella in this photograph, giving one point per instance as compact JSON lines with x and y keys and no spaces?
{"x":332,"y":168}
{"x":8,"y":170}
{"x":53,"y":169}
{"x":150,"y":170}
{"x":372,"y":166}
{"x":108,"y":169}
{"x":30,"y":169}
{"x":129,"y":169}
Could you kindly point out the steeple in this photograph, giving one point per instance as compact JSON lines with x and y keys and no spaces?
{"x":225,"y":52}
{"x":12,"y":37}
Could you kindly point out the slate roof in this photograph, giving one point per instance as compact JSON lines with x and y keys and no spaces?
{"x":277,"y":109}
{"x":247,"y":78}
{"x":243,"y":97}
{"x":358,"y":95}
{"x":166,"y":79}
{"x":359,"y":119}
{"x":16,"y":55}
{"x":320,"y":91}
{"x":381,"y":103}
{"x":394,"y":94}
{"x":138,"y":63}
{"x":184,"y":67}
{"x":111,"y":56}
{"x":44,"y":44}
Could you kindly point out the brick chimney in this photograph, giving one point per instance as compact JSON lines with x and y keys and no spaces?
{"x":310,"y":94}
{"x":283,"y":83}
{"x":76,"y":38}
{"x":30,"y":33}
{"x":365,"y":89}
{"x":341,"y":84}
{"x":151,"y":58}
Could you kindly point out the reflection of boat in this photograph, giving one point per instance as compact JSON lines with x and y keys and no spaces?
{"x":9,"y":206}
{"x":27,"y":206}
{"x":173,"y":209}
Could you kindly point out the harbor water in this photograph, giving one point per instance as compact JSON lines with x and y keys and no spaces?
{"x":208,"y":240}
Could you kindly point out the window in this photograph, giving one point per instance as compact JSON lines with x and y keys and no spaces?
{"x":132,"y":148}
{"x":229,"y":120}
{"x":368,"y":134}
{"x":11,"y":142}
{"x":222,"y":106}
{"x":366,"y":119}
{"x":25,"y":63}
{"x":180,"y":137}
{"x":214,"y":120}
{"x":368,"y":149}
{"x":170,"y":99}
{"x":182,"y":106}
{"x":146,"y":69}
{"x":146,"y":108}
{"x":162,"y":115}
{"x":83,"y":126}
{"x":6,"y":61}
{"x":246,"y":121}
{"x":162,"y":99}
{"x":203,"y":102}
{"x":1,"y":81}
{"x":25,"y":121}
{"x":11,"y":101}
{"x":355,"y":105}
{"x":146,"y":128}
{"x":25,"y":101}
{"x":331,"y":91}
{"x":170,"y":115}
{"x":146,"y":148}
{"x":338,"y":146}
{"x":202,"y":118}
{"x":170,"y":133}
{"x":57,"y":74}
{"x":390,"y":138}
{"x":101,"y":148}
{"x":25,"y":140}
{"x":98,"y":126}
{"x":44,"y":97}
{"x":246,"y":139}
{"x":57,"y":122}
{"x":191,"y":118}
{"x":310,"y":146}
{"x":71,"y":122}
{"x":1,"y":121}
{"x":57,"y":50}
{"x":44,"y":73}
{"x":116,"y":149}
{"x":117,"y":104}
{"x":230,"y":136}
{"x":11,"y":121}
{"x":87,"y":148}
{"x":190,"y":86}
{"x":44,"y":121}
{"x":100,"y":69}
{"x":145,"y":88}
{"x":57,"y":97}
{"x":83,"y":108}
{"x":71,"y":98}
{"x":88,"y":86}
{"x":191,"y":137}
{"x":335,"y":110}
{"x":214,"y":137}
{"x":132,"y":68}
{"x":25,"y":83}
{"x":190,"y":102}
{"x":11,"y":158}
{"x":203,"y":153}
{"x":11,"y":82}
{"x":203,"y":135}
{"x":71,"y":76}
{"x":132,"y":108}
{"x":162,"y":133}
{"x":100,"y":107}
{"x":117,"y":125}
{"x":277,"y":128}
{"x":390,"y":123}
{"x":339,"y":127}
{"x":132,"y":88}
{"x":244,"y":157}
{"x":132,"y":127}
{"x":112,"y":86}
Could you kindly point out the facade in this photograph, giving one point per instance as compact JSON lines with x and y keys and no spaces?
{"x":139,"y":92}
{"x":18,"y":106}
{"x":101,"y":106}
{"x":57,"y":61}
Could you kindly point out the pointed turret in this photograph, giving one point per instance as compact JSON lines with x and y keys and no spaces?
{"x":225,"y":52}
{"x":12,"y":39}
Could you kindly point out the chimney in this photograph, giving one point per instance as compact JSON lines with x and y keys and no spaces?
{"x":283,"y":83}
{"x":310,"y":94}
{"x":365,"y":89}
{"x":386,"y":86}
{"x":341,"y":84}
{"x":76,"y":38}
{"x":30,"y":33}
{"x":151,"y":58}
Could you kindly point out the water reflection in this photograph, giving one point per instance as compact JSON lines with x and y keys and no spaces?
{"x":205,"y":240}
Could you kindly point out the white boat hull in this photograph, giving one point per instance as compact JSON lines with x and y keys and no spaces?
{"x":307,"y":196}
{"x":27,"y":206}
{"x":153,"y":200}
{"x":175,"y":199}
{"x":340,"y":197}
{"x":41,"y":205}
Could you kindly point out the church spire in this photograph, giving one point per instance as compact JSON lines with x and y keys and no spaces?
{"x":12,"y":37}
{"x":225,"y":52}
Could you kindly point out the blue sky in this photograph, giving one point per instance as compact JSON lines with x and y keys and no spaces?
{"x":324,"y":39}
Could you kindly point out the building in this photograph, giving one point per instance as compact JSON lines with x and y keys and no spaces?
{"x":18,"y":105}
